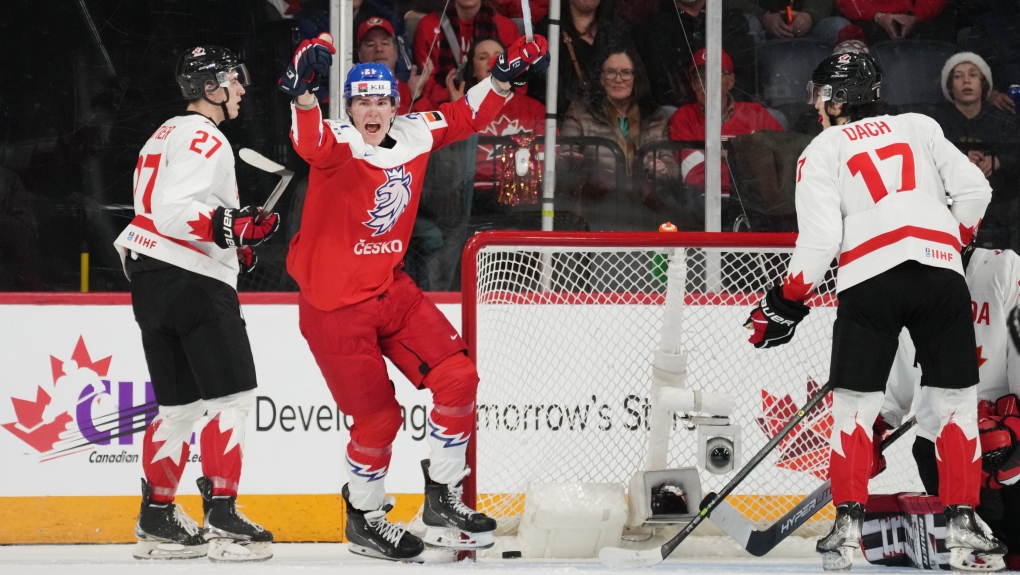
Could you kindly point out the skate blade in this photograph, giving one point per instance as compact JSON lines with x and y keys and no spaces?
{"x":162,"y":550}
{"x":230,"y":551}
{"x":839,"y":560}
{"x":963,"y":560}
{"x":369,"y":552}
{"x":452,"y":538}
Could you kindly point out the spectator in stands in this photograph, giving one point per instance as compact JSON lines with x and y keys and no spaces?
{"x":968,"y":118}
{"x":901,"y":19}
{"x":512,"y":9}
{"x":586,"y":27}
{"x":996,"y":37}
{"x":671,"y":35}
{"x":784,"y":19}
{"x":520,"y":116}
{"x":688,"y":124}
{"x":376,"y":42}
{"x":617,"y":109}
{"x":444,"y":39}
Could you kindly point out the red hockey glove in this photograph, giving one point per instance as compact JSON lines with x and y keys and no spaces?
{"x":879,"y":431}
{"x":234,"y":228}
{"x":247,"y":259}
{"x":775,"y":319}
{"x":520,"y":57}
{"x":311,"y":60}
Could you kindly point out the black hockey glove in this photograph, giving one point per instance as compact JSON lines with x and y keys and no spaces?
{"x":311,"y":61}
{"x":520,"y":58}
{"x":775,"y":318}
{"x":247,"y":259}
{"x":236,"y":228}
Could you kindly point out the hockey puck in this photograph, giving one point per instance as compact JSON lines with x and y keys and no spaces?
{"x":511,"y":555}
{"x":707,"y":500}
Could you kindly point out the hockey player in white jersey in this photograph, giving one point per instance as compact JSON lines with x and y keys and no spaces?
{"x":872,"y":191}
{"x":182,"y":252}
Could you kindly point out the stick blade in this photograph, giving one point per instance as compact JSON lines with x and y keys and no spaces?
{"x":618,"y":557}
{"x":257,"y":160}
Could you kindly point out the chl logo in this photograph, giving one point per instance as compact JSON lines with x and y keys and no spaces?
{"x":81,"y":409}
{"x":391,"y":199}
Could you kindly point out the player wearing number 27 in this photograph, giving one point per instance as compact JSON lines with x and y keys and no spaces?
{"x":357,"y":306}
{"x":182,"y":253}
{"x":872,"y":191}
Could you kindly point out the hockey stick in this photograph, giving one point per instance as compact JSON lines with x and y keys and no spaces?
{"x":617,"y":557}
{"x":257,"y":160}
{"x":526,"y":16}
{"x":759,"y":542}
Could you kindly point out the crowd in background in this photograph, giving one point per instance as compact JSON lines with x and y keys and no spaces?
{"x":630,"y":116}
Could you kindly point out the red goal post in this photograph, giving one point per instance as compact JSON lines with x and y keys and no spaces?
{"x":564,"y":328}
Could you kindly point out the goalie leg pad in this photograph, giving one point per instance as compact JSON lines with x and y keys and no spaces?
{"x":853,"y":414}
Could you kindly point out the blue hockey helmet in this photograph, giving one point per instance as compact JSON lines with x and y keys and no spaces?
{"x":371,"y":79}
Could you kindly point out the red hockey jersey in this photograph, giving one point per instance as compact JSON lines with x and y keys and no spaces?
{"x":362,"y":200}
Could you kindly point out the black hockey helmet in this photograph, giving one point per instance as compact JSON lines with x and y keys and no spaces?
{"x":203,"y":69}
{"x":850,"y":78}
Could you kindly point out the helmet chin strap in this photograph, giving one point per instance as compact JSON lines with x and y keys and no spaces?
{"x":222,"y":105}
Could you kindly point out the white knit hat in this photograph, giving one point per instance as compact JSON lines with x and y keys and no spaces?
{"x":959,"y":58}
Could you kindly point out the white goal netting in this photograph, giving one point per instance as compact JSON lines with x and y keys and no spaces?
{"x":564,"y":329}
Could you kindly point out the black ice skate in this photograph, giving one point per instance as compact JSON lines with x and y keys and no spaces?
{"x":370,"y":534}
{"x":166,"y":531}
{"x":972,"y":547}
{"x":231,"y":536}
{"x":837,"y":548}
{"x":451,"y":524}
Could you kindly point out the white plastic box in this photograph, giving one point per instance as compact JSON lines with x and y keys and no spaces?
{"x":571,"y":520}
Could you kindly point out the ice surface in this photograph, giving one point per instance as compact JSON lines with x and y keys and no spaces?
{"x":696,"y":555}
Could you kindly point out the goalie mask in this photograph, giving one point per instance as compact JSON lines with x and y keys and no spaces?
{"x":850,"y":78}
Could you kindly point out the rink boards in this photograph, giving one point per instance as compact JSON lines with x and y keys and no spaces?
{"x":71,"y":463}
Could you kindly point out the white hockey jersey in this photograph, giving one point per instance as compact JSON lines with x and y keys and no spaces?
{"x":874,"y":192}
{"x":184,"y":172}
{"x":994,"y":280}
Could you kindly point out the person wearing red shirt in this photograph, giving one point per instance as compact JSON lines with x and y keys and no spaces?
{"x":464,"y":20}
{"x":899,"y":19}
{"x":688,"y":122}
{"x":357,"y":307}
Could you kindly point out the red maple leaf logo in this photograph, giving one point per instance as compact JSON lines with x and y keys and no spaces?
{"x":30,"y":426}
{"x":201,"y":227}
{"x":794,"y":287}
{"x":806,"y":448}
{"x":981,"y":360}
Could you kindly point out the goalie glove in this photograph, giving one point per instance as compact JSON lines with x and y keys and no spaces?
{"x":775,"y":319}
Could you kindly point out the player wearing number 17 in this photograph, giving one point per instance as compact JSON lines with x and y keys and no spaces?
{"x":182,"y":253}
{"x":357,"y":306}
{"x":872,"y":191}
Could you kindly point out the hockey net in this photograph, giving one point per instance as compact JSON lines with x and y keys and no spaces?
{"x":564,"y":328}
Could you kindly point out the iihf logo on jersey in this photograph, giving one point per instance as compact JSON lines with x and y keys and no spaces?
{"x":391,"y":199}
{"x":80,"y":410}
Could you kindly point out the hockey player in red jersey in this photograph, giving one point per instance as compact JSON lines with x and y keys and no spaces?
{"x":872,"y":191}
{"x":182,"y":252}
{"x":357,"y":306}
